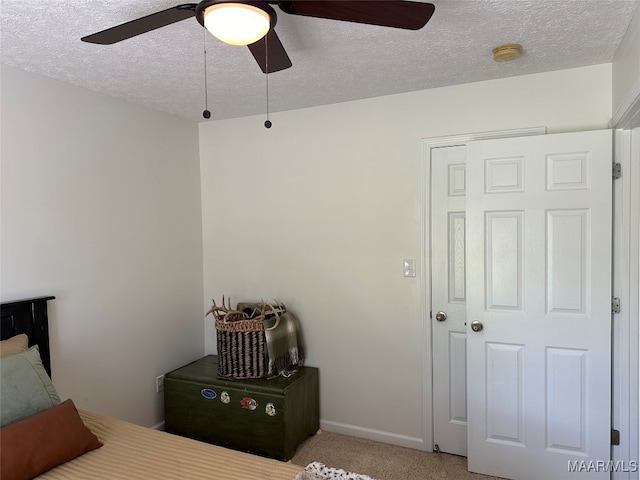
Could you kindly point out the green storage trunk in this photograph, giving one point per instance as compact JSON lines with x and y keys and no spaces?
{"x":268,"y":417}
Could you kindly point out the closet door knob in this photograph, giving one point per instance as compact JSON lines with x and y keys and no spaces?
{"x":476,"y":326}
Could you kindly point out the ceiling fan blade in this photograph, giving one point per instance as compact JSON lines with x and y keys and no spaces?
{"x":277,"y":59}
{"x":387,"y":13}
{"x":142,"y":25}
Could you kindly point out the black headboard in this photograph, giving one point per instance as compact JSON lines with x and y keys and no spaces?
{"x":28,"y":316}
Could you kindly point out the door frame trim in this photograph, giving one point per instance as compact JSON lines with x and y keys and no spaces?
{"x":626,"y":280}
{"x":428,"y":144}
{"x":625,"y":286}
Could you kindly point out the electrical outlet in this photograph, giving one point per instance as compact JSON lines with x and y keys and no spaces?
{"x":159,"y":383}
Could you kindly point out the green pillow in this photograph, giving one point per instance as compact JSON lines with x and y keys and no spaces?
{"x":25,"y":387}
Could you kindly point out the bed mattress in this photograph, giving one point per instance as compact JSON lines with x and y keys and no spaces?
{"x":132,"y":452}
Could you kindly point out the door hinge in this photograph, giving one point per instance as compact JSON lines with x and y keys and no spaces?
{"x":617,"y":171}
{"x":615,"y":437}
{"x":615,"y":305}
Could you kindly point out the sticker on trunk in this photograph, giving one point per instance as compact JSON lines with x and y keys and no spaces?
{"x":248,"y":403}
{"x":208,"y":393}
{"x":270,"y":409}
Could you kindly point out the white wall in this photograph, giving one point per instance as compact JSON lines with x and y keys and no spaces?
{"x":626,"y":69}
{"x":320,"y":211}
{"x":101,"y":208}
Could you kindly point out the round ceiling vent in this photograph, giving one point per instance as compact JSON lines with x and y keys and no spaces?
{"x":507,"y":52}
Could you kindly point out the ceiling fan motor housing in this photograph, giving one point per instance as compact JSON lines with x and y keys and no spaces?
{"x":264,"y":6}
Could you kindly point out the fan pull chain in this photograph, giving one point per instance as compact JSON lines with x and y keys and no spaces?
{"x":267,"y":123}
{"x":206,"y":114}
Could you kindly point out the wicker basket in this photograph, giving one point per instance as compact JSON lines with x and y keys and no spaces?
{"x":242,"y":352}
{"x":240,"y":337}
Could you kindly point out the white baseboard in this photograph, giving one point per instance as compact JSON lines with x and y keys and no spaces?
{"x":159,"y":426}
{"x":371,"y":434}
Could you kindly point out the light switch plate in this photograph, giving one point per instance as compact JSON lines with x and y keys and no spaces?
{"x":409,"y":267}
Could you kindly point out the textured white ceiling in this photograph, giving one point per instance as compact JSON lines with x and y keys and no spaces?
{"x":332,"y":61}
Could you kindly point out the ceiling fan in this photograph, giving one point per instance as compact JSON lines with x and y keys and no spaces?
{"x":226,"y":20}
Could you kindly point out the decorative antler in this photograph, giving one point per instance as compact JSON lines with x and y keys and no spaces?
{"x":214,"y":309}
{"x":226,"y":313}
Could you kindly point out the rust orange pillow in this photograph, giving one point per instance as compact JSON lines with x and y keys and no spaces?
{"x":44,"y":440}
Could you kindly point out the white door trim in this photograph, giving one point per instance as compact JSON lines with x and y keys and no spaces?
{"x":625,"y":324}
{"x":626,"y":119}
{"x":425,"y":277}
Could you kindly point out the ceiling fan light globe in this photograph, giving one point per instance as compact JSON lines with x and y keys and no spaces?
{"x":237,"y":23}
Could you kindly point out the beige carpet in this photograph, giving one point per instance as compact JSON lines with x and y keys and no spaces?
{"x":382,"y":461}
